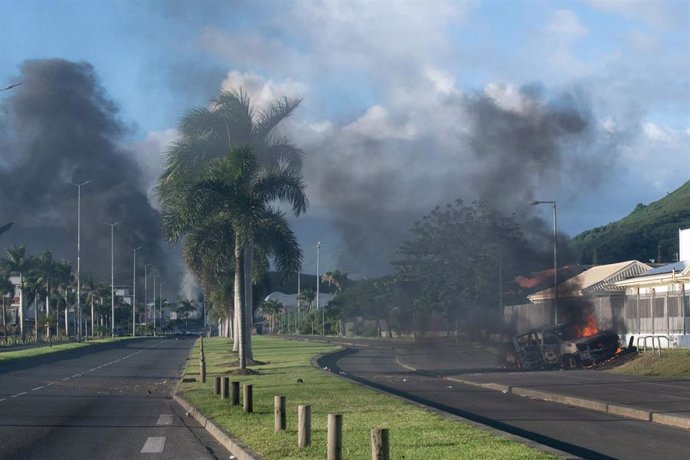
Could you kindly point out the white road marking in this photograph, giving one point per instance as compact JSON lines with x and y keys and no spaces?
{"x":1,"y":400}
{"x":20,"y":394}
{"x":165,"y":420}
{"x":153,"y":445}
{"x":66,"y":378}
{"x":38,"y":388}
{"x":76,"y":375}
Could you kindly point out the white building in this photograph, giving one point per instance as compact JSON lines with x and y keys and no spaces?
{"x":658,"y":303}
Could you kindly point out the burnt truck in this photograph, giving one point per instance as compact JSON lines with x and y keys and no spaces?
{"x":559,"y":347}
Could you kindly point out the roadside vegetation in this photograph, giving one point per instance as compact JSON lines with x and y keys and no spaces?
{"x":671,"y":364}
{"x":415,"y":433}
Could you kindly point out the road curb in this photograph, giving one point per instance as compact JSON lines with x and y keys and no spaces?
{"x":235,"y":445}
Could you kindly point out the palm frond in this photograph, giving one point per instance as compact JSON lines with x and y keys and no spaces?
{"x":270,"y":117}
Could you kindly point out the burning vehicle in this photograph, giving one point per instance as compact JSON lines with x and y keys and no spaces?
{"x":565,"y":346}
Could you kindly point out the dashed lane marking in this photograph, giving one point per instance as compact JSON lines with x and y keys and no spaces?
{"x":91,"y":370}
{"x":153,"y":445}
{"x":165,"y":419}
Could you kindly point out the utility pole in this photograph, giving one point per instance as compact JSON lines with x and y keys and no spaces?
{"x":79,"y":334}
{"x":112,"y":277}
{"x":134,"y":292}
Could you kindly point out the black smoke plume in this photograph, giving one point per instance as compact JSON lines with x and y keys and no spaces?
{"x":473,"y":146}
{"x":61,"y":128}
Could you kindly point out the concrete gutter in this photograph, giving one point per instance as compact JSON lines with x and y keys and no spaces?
{"x":233,"y":444}
{"x":632,"y":412}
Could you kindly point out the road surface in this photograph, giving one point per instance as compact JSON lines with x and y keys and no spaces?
{"x":105,"y":402}
{"x":580,"y":432}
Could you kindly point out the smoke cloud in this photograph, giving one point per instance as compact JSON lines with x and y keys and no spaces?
{"x":503,"y":145}
{"x":62,"y":128}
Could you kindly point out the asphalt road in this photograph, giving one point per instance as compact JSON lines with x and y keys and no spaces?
{"x":579,"y":432}
{"x":107,"y":402}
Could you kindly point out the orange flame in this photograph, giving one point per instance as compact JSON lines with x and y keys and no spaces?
{"x":588,"y":329}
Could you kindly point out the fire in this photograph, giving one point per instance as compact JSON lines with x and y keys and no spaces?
{"x":587,"y":329}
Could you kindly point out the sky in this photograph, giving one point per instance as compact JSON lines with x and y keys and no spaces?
{"x":407,"y":104}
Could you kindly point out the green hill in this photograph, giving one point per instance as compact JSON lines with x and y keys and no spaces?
{"x":649,"y":232}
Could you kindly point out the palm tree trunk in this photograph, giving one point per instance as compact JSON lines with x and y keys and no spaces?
{"x":248,"y":296}
{"x":239,"y":307}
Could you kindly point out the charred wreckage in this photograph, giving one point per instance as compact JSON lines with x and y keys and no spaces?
{"x":567,"y":347}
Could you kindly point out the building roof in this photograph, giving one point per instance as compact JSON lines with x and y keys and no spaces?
{"x":600,"y":279}
{"x":669,"y":273}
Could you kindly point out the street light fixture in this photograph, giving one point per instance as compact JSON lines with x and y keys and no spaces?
{"x":555,"y":257}
{"x":134,"y":292}
{"x":112,"y":277}
{"x":79,"y":256}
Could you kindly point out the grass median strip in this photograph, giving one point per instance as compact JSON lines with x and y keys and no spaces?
{"x":415,"y":433}
{"x":6,"y":356}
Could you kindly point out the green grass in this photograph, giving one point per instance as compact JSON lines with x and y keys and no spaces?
{"x":57,"y":347}
{"x":415,"y":433}
{"x":671,"y":364}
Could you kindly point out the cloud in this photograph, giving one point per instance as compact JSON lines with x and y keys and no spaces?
{"x":565,"y":26}
{"x":263,"y":91}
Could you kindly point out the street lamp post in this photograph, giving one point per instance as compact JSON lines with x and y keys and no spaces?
{"x":160,"y":301}
{"x":112,"y":277}
{"x":555,"y":258}
{"x":146,"y":293}
{"x":154,"y":304}
{"x":318,"y":282}
{"x":79,"y":256}
{"x":134,"y":292}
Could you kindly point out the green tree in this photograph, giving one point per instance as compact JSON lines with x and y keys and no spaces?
{"x":455,"y":259}
{"x":307,"y":295}
{"x":271,"y":308}
{"x":209,"y":133}
{"x":184,"y":308}
{"x":236,"y":194}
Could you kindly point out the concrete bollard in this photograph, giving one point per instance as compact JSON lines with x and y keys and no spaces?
{"x":279,"y":422}
{"x":335,"y":437}
{"x":303,"y":426}
{"x":380,"y":449}
{"x":216,"y":386}
{"x":235,"y":394}
{"x":247,"y":403}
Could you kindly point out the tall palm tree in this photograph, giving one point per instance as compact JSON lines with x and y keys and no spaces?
{"x":236,"y":194}
{"x":63,"y":279}
{"x":17,"y":262}
{"x":336,"y":278}
{"x":184,"y":308}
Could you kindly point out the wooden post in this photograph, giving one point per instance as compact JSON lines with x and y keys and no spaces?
{"x":247,"y":402}
{"x":202,"y":368}
{"x":335,"y":437}
{"x":379,"y":444}
{"x":235,"y":394}
{"x":303,"y":426}
{"x":225,"y":388}
{"x":216,"y":386}
{"x":279,"y":423}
